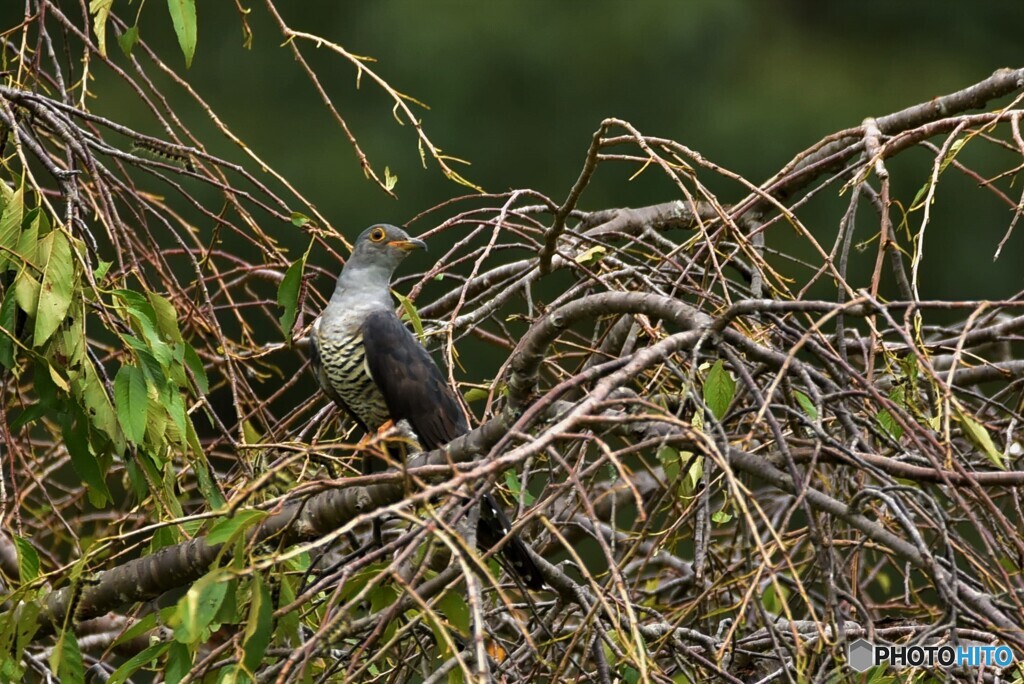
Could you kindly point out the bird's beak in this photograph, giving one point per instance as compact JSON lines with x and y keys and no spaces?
{"x":409,"y":245}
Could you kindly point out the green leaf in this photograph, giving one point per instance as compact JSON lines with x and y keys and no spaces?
{"x":75,"y":430}
{"x":979,"y":436}
{"x":774,"y":598}
{"x":128,"y":39}
{"x":183,"y":16}
{"x":26,"y":290}
{"x":889,"y":424}
{"x":197,"y":609}
{"x":101,"y":270}
{"x":694,"y":473}
{"x":132,"y":401}
{"x":10,"y":223}
{"x":96,"y":403}
{"x":518,"y":491}
{"x":8,"y":329}
{"x":630,"y":675}
{"x":806,"y":404}
{"x":410,"y":314}
{"x":719,"y":388}
{"x":288,"y":295}
{"x":259,"y":626}
{"x":954,"y":149}
{"x":140,"y":659}
{"x":475,"y":394}
{"x":33,"y":225}
{"x":26,"y":627}
{"x":195,"y":364}
{"x":56,"y":287}
{"x":454,"y":607}
{"x":669,"y":459}
{"x":179,"y":662}
{"x":100,"y":9}
{"x":224,"y":530}
{"x":66,"y":658}
{"x":721,"y":516}
{"x":165,"y":315}
{"x":28,"y":560}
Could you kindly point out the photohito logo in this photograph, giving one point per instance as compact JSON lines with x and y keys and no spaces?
{"x":863,"y":654}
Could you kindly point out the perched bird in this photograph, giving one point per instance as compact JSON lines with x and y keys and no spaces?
{"x":373,"y":367}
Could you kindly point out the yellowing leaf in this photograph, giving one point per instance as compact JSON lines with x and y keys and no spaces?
{"x":410,"y":313}
{"x":56,"y":287}
{"x":978,"y":435}
{"x":100,"y":9}
{"x":10,"y":223}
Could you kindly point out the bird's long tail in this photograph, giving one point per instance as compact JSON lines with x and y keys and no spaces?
{"x":492,"y":528}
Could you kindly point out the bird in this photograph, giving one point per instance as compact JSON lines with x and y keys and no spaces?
{"x":373,"y":368}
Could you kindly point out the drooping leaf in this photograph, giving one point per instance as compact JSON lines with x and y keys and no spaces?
{"x":140,"y":659}
{"x":197,"y":609}
{"x":97,"y":405}
{"x":979,"y":436}
{"x":719,"y":388}
{"x":179,"y":662}
{"x":10,"y":223}
{"x":224,"y":530}
{"x":183,"y":16}
{"x":889,"y":424}
{"x":390,"y":179}
{"x":165,"y":315}
{"x":26,"y":290}
{"x":28,"y":560}
{"x":806,"y":404}
{"x":692,"y":478}
{"x":519,"y":491}
{"x":475,"y":394}
{"x":259,"y":626}
{"x":128,"y":39}
{"x":669,"y":458}
{"x":100,"y":11}
{"x":8,"y":329}
{"x":288,"y":295}
{"x":75,"y":429}
{"x":66,"y":658}
{"x":132,"y":401}
{"x":195,"y":365}
{"x":453,"y":606}
{"x":411,"y":314}
{"x":56,"y":287}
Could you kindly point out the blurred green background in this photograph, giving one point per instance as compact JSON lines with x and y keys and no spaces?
{"x":518,"y":88}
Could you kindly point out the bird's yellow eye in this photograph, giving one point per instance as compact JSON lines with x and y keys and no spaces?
{"x":377,"y":234}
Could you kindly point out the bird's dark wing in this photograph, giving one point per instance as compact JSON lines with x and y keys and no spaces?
{"x":412,"y":384}
{"x":415,"y":390}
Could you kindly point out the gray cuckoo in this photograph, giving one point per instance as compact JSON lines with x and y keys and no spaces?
{"x":374,"y":369}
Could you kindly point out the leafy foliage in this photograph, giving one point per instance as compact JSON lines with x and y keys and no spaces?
{"x":726,"y":476}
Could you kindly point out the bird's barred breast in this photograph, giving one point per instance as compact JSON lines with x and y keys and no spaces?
{"x":344,"y":361}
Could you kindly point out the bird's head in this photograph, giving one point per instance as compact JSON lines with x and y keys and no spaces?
{"x":384,"y":244}
{"x":377,"y":252}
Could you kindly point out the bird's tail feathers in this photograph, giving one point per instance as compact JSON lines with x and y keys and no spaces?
{"x":514,"y":556}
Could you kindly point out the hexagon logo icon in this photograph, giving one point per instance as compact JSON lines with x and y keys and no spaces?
{"x":861,"y":655}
